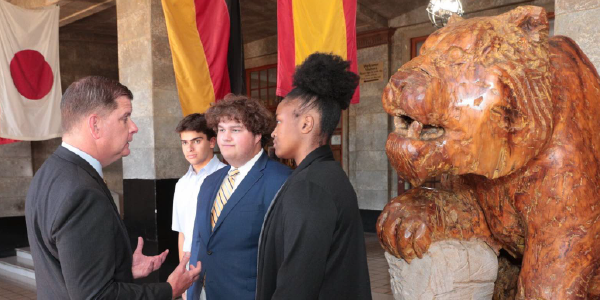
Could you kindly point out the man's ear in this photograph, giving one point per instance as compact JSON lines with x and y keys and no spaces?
{"x":212,"y":142}
{"x":94,"y":123}
{"x":307,"y":124}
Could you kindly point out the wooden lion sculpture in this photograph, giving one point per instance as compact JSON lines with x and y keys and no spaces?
{"x":509,"y":115}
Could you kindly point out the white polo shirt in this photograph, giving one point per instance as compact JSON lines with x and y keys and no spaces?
{"x":186,"y":198}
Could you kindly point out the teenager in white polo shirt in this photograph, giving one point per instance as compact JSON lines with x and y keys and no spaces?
{"x":197,"y":143}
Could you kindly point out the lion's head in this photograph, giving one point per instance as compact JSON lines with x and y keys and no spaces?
{"x":477,"y":100}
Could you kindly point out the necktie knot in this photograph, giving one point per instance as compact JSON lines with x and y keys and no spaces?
{"x":234,"y":172}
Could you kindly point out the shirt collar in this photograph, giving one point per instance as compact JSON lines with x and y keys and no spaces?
{"x":247,"y":166}
{"x":92,"y":161}
{"x":210,"y":167}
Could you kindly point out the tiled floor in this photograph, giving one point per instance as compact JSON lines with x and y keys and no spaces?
{"x":15,"y":291}
{"x":378,"y":271}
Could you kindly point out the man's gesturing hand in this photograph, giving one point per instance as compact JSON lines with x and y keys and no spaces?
{"x":181,"y":279}
{"x":143,"y":265}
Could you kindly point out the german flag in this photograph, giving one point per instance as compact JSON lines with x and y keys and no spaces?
{"x":308,"y":26}
{"x":206,"y":45}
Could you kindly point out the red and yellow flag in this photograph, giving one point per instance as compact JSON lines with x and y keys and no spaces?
{"x":308,"y":26}
{"x":206,"y":45}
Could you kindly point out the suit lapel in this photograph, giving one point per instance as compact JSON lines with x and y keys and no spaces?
{"x":247,"y":183}
{"x":205,"y":229}
{"x":82,"y":163}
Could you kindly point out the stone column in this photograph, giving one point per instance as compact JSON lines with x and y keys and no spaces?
{"x":156,"y":162}
{"x":580,"y":20}
{"x":367,"y":133}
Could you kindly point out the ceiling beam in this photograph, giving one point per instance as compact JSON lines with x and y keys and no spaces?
{"x":368,"y":15}
{"x":90,"y":10}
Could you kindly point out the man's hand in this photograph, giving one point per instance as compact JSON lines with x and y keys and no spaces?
{"x":143,"y":265}
{"x":181,"y":279}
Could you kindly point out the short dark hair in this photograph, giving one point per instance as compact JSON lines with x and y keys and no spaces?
{"x":195,"y":122}
{"x":250,"y":112}
{"x":90,"y":94}
{"x":324,"y":82}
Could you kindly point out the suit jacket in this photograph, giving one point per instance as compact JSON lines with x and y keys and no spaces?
{"x":228,"y":253}
{"x":79,"y":244}
{"x":313,"y":245}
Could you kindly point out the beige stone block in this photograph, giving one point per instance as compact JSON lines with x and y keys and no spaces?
{"x":144,"y":138}
{"x":582,"y":26}
{"x":140,"y":164}
{"x":170,"y":163}
{"x":14,"y":186}
{"x":370,"y":122}
{"x":16,"y":166}
{"x":133,"y":19}
{"x":158,"y":23}
{"x":166,"y":103}
{"x":20,"y":149}
{"x":164,"y":75}
{"x":369,"y":105}
{"x":12,"y":206}
{"x":164,"y":132}
{"x":371,"y":180}
{"x":161,"y":53}
{"x":568,"y":6}
{"x":135,"y":56}
{"x":371,"y":161}
{"x":370,"y":139}
{"x":450,"y":269}
{"x":372,"y":199}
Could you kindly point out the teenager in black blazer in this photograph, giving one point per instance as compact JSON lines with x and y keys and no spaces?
{"x":312,"y":244}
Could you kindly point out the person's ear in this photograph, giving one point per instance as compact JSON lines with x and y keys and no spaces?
{"x":212,"y":142}
{"x":307,"y":124}
{"x":94,"y":124}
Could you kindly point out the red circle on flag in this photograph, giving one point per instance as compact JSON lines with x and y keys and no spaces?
{"x":31,"y":74}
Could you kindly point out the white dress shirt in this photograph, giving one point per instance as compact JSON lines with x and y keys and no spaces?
{"x":186,"y":198}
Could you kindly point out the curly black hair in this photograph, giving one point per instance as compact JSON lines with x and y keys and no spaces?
{"x":250,"y":112}
{"x":324,"y":81}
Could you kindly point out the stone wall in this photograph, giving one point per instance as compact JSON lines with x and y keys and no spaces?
{"x":579,"y":20}
{"x":368,"y":129}
{"x":15,"y":176}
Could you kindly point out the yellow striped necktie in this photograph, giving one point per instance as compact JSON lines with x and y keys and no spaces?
{"x":223,"y":195}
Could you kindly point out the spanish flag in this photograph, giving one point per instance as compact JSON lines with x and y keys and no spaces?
{"x":308,"y":26}
{"x":206,"y":45}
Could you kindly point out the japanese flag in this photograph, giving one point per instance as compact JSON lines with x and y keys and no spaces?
{"x":30,"y":88}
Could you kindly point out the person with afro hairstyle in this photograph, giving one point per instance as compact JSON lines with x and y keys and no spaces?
{"x":312,"y":244}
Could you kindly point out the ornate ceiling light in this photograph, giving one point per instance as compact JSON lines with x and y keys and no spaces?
{"x":440,"y":11}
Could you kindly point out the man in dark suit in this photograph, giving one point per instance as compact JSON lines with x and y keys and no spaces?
{"x":233,"y":201}
{"x":79,"y":244}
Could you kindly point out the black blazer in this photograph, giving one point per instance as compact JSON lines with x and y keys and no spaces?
{"x":79,"y":244}
{"x":312,"y":245}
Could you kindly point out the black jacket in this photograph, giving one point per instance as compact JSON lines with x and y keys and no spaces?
{"x":79,"y":244}
{"x":312,"y":244}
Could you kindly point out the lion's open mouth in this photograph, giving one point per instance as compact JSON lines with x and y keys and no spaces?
{"x":411,"y":128}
